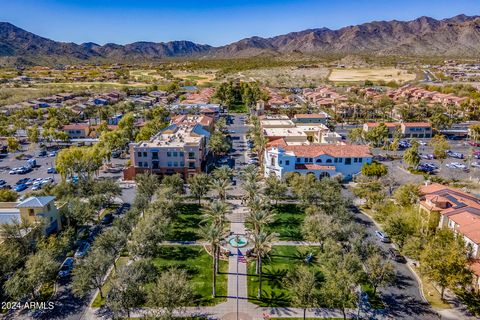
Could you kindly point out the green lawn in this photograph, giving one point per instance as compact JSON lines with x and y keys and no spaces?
{"x":288,"y":221}
{"x":238,"y":108}
{"x":98,"y":302}
{"x":282,"y":260}
{"x":185,"y":224}
{"x":198,"y":265}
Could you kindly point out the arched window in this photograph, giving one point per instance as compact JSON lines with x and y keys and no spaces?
{"x":319,"y":161}
{"x":329,"y":161}
{"x":324,"y":175}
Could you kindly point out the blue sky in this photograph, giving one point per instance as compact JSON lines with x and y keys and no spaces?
{"x":210,"y":22}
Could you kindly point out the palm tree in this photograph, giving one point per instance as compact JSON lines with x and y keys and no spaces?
{"x":257,"y":219}
{"x":262,"y":245}
{"x":220,"y":186}
{"x":252,"y":188}
{"x":258,"y":202}
{"x":249,"y":173}
{"x":214,"y":236}
{"x":215,"y":213}
{"x":224,"y":173}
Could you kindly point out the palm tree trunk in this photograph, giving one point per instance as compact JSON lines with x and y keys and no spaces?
{"x":304,"y":313}
{"x":259,"y":295}
{"x":217,"y":258}
{"x":214,"y":289}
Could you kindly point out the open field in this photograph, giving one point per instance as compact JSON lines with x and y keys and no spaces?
{"x":372,"y":74}
{"x":200,"y":76}
{"x":285,"y":76}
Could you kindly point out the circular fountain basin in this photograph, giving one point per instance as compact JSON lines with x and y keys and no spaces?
{"x":238,"y":241}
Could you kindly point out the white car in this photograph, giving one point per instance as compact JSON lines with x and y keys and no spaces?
{"x":14,"y":171}
{"x":37,"y":181}
{"x":456,"y":165}
{"x":47,"y":180}
{"x":476,"y":164}
{"x":37,"y":187}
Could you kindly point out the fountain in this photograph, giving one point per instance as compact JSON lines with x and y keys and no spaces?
{"x":238,"y":241}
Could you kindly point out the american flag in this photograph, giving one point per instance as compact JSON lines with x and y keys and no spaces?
{"x":241,"y":258}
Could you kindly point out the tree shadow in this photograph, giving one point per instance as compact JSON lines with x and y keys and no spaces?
{"x":273,"y":299}
{"x":178,"y":253}
{"x":400,"y":306}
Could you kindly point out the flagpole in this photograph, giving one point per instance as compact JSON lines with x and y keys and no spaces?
{"x":237,"y":279}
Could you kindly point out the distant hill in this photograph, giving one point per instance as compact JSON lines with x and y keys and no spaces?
{"x":457,"y":36}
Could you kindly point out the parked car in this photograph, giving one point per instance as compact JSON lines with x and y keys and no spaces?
{"x":20,"y":187}
{"x":427,"y":156}
{"x":37,"y":187}
{"x":427,"y":167}
{"x":382,"y":236}
{"x":474,"y":143}
{"x":395,"y":255}
{"x":24,"y":170}
{"x":2,"y":182}
{"x":23,"y":181}
{"x":47,"y":180}
{"x":404,"y":144}
{"x":82,"y":250}
{"x":13,"y":171}
{"x":456,"y":165}
{"x":51,"y":170}
{"x":73,"y":179}
{"x":37,"y":181}
{"x":476,"y":154}
{"x":107,"y":219}
{"x":42,"y":153}
{"x":456,"y":155}
{"x":52,"y":154}
{"x":475,"y":164}
{"x":66,"y":267}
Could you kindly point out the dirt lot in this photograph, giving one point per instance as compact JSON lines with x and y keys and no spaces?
{"x":377,"y":74}
{"x":285,"y":76}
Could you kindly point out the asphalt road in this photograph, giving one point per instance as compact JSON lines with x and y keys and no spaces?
{"x":240,"y":148}
{"x":403,"y":300}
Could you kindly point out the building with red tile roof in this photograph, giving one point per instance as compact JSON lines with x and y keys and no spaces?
{"x":458,"y":211}
{"x":321,"y":160}
{"x":407,"y":129}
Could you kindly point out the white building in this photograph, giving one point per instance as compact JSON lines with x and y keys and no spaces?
{"x":322,"y":160}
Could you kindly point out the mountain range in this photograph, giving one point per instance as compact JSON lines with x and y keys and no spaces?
{"x":458,"y":36}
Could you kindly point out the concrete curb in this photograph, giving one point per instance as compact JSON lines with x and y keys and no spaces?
{"x":419,"y":281}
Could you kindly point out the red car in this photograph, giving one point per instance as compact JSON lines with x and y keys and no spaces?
{"x":474,"y":144}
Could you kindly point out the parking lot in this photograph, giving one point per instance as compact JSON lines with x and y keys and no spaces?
{"x":40,"y":171}
{"x":445,"y":169}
